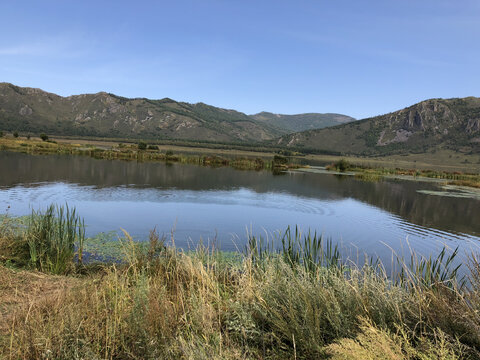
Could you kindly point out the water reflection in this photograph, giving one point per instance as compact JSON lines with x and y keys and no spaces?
{"x":222,"y":202}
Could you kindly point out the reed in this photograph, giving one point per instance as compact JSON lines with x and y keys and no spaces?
{"x":52,"y":236}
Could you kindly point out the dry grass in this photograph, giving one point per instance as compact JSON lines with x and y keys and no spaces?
{"x":163,"y":303}
{"x":20,"y":291}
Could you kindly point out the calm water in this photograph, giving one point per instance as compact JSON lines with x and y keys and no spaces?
{"x":205,"y":203}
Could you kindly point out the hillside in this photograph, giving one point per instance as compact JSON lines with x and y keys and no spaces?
{"x":301,"y":122}
{"x":432,"y":124}
{"x":108,"y":115}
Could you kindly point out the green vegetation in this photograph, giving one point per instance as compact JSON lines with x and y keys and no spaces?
{"x":341,"y":165}
{"x":133,"y":152}
{"x":142,"y":145}
{"x":301,"y":122}
{"x":44,"y":137}
{"x":51,"y":238}
{"x":298,"y":300}
{"x":15,"y":134}
{"x":374,"y":174}
{"x":428,"y":126}
{"x":99,"y":115}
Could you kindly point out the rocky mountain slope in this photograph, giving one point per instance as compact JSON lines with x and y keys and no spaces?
{"x":302,"y":122}
{"x":103,"y":114}
{"x":107,"y":115}
{"x":447,"y":123}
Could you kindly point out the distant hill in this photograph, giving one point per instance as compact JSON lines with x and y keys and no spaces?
{"x":301,"y":122}
{"x":447,"y":123}
{"x":107,"y":115}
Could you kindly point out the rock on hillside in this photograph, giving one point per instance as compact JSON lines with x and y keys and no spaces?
{"x":108,"y":115}
{"x":450,"y":123}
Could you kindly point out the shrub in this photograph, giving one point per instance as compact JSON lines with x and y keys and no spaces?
{"x":142,"y":145}
{"x":341,"y":165}
{"x":152,"y":147}
{"x":15,"y":134}
{"x":280,"y":160}
{"x":44,"y":137}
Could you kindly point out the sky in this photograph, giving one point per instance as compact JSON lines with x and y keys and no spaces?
{"x":359,"y":57}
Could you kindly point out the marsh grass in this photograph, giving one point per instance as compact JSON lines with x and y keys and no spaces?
{"x":52,"y":236}
{"x":374,"y":174}
{"x":296,"y":298}
{"x":133,"y":153}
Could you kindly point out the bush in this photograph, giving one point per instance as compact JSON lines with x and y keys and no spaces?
{"x":342,"y":165}
{"x":44,"y":137}
{"x":15,"y":134}
{"x":152,"y":147}
{"x":142,"y":145}
{"x":1,"y":134}
{"x":280,"y":160}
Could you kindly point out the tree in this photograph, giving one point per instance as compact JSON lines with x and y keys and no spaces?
{"x":1,"y":134}
{"x":142,"y":145}
{"x":15,"y":134}
{"x":44,"y":137}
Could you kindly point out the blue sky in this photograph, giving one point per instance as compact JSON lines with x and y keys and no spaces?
{"x":357,"y":57}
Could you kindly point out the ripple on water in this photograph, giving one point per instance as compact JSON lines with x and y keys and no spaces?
{"x":346,"y":220}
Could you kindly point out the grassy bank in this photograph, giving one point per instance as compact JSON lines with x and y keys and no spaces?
{"x":302,"y":301}
{"x":147,"y":152}
{"x":442,"y":161}
{"x":363,"y":172}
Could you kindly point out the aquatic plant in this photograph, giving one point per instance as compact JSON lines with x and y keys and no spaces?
{"x":52,"y":236}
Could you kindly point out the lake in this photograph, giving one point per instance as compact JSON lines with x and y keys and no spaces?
{"x":206,"y":203}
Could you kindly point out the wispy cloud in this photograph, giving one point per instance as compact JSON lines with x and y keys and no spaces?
{"x":59,"y":46}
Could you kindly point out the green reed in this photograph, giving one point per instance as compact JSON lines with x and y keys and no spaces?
{"x":52,"y":236}
{"x":312,"y":253}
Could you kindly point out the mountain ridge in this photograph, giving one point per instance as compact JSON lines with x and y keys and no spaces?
{"x":302,"y":122}
{"x":105,"y":114}
{"x":449,"y":123}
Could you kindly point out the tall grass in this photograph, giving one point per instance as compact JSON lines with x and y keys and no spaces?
{"x":429,"y":271}
{"x":52,"y":236}
{"x":293,"y":296}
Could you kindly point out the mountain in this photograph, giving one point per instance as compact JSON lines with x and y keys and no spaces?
{"x":32,"y":110}
{"x":301,"y":122}
{"x":108,"y":115}
{"x":435,"y":123}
